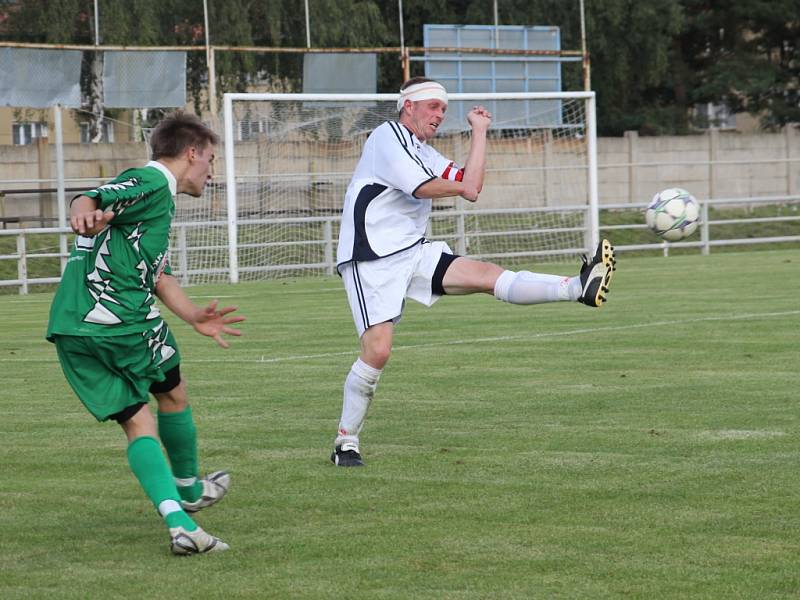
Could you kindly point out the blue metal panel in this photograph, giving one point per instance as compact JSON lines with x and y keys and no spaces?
{"x":486,"y":73}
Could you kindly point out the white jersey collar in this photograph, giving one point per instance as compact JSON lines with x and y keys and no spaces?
{"x":173,"y":183}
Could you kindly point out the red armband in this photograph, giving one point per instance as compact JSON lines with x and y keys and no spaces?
{"x":453,"y":173}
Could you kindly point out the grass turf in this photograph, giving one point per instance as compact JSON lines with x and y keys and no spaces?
{"x":648,"y":449}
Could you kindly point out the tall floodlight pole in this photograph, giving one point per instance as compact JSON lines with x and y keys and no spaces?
{"x":96,"y":94}
{"x":497,"y":26}
{"x":308,"y":28}
{"x":212,"y":76}
{"x":404,"y":63}
{"x":61,"y":190}
{"x":96,"y":24}
{"x":587,"y":74}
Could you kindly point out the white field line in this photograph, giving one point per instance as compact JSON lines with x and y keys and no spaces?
{"x":32,"y":299}
{"x":501,"y":338}
{"x":534,"y":336}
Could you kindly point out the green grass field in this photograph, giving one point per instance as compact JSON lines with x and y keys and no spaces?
{"x":649,"y":449}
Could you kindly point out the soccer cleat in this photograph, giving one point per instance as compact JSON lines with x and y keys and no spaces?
{"x":215,"y":486}
{"x":346,"y":455}
{"x":596,"y":275}
{"x":184,"y":543}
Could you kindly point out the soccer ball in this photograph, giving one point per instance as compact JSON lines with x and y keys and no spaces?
{"x":673,"y":214}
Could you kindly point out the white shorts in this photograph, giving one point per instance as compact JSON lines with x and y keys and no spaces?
{"x":377,"y":289}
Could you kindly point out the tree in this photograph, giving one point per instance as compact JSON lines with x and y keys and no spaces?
{"x":652,"y":60}
{"x":632,"y":54}
{"x":745,"y":53}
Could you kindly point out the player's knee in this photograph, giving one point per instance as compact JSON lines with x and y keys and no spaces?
{"x":376,"y":345}
{"x":377,"y":356}
{"x":468,"y":276}
{"x":489,"y":276}
{"x":171,"y":393}
{"x":173,"y":401}
{"x":376,"y":353}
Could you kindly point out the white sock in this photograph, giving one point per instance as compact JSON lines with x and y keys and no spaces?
{"x":359,"y":388}
{"x":524,"y":287}
{"x":167,"y":507}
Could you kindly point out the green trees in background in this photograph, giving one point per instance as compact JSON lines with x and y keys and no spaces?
{"x":652,"y":60}
{"x":746,"y":53}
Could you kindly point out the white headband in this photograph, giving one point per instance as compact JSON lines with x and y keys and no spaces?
{"x":427,"y":90}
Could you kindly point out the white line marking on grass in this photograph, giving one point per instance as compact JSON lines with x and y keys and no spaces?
{"x":740,"y":434}
{"x":500,"y":338}
{"x":26,"y":300}
{"x":505,"y":338}
{"x":314,"y":292}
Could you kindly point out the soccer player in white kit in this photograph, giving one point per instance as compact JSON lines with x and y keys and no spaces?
{"x":384,"y":258}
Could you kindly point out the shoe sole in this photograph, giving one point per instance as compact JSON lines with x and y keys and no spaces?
{"x":610,"y":263}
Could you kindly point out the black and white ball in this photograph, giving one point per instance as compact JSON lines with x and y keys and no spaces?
{"x":673,"y":214}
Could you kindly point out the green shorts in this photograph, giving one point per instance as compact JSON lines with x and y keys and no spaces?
{"x":111,"y":373}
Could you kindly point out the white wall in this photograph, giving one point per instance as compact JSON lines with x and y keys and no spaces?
{"x":631,"y":169}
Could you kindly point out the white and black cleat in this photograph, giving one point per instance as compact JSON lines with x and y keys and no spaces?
{"x":347,"y":455}
{"x":596,"y":275}
{"x":215,"y":486}
{"x":185,"y":543}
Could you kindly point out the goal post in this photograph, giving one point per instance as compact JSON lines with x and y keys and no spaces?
{"x":289,"y":159}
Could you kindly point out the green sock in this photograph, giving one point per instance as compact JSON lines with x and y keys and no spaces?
{"x":150,"y":467}
{"x":179,"y":436}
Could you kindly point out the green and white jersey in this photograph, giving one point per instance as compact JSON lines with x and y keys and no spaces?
{"x":108,"y":286}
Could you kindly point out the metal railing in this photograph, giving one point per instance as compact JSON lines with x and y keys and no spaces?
{"x":705,"y":243}
{"x":181,"y":249}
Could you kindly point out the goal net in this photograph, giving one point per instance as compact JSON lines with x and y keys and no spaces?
{"x":289,"y":159}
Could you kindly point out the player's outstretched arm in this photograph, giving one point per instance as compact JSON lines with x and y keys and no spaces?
{"x":479,"y":120}
{"x":85,"y":218}
{"x":209,"y":321}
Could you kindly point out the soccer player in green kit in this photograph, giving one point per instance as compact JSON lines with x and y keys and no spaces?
{"x":113,"y":345}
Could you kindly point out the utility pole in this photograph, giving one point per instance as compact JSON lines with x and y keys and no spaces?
{"x":212,"y":76}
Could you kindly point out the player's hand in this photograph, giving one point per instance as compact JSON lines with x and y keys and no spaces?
{"x":90,"y":223}
{"x":213,"y":322}
{"x":479,"y":117}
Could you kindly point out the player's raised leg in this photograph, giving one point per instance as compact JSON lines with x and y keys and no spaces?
{"x":590,"y":286}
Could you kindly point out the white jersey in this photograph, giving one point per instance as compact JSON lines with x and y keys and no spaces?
{"x":382,"y":216}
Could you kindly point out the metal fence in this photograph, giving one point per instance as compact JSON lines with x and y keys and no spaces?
{"x":32,"y":245}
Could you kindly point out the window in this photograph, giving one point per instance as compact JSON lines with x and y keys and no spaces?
{"x":108,"y":132}
{"x":710,"y":115}
{"x":250,"y":128}
{"x":24,"y":133}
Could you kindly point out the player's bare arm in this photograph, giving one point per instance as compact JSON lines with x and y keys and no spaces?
{"x":479,"y":120}
{"x":210,"y":321}
{"x":85,"y":218}
{"x":444,"y":188}
{"x":470,"y":187}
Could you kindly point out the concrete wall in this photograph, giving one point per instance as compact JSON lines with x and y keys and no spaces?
{"x":631,"y":170}
{"x":20,"y":166}
{"x":716,"y":165}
